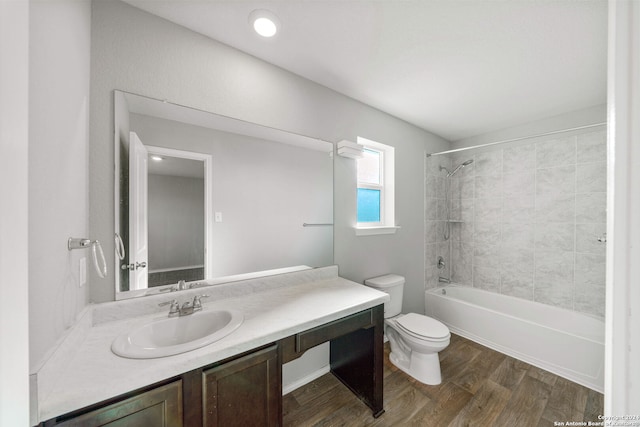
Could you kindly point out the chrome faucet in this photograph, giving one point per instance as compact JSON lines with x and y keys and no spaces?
{"x":182,"y":285}
{"x":443,"y":280}
{"x":174,"y":308}
{"x":187,"y":307}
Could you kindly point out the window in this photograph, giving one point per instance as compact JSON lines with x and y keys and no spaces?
{"x":375,"y":192}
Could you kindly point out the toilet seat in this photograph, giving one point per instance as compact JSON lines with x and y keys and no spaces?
{"x":423,"y":327}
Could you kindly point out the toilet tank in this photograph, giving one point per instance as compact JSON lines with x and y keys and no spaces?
{"x":393,"y":285}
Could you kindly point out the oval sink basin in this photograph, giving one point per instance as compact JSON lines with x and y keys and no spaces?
{"x":175,"y":335}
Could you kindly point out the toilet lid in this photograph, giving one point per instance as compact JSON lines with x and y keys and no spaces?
{"x":423,"y":326}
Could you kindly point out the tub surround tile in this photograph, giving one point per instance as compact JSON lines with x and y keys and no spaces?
{"x":554,"y":294}
{"x":518,"y":184}
{"x":517,"y":237}
{"x":441,"y":184}
{"x":431,"y":255}
{"x":430,"y":234}
{"x":591,"y":177}
{"x":488,"y":210}
{"x":587,"y":238}
{"x":487,"y":255}
{"x":488,"y":186}
{"x":441,"y":227}
{"x":590,"y":283}
{"x":516,"y":286}
{"x":556,"y":152}
{"x":487,"y":232}
{"x":591,"y":300}
{"x":461,"y":157}
{"x":523,"y":259}
{"x":517,"y":273}
{"x":431,"y":275}
{"x":434,"y":163}
{"x":429,"y":186}
{"x":517,"y":282}
{"x":454,"y":188}
{"x":556,"y":181}
{"x":519,"y":209}
{"x":462,"y":274}
{"x":592,"y":147}
{"x":543,"y":204}
{"x":554,"y":278}
{"x":435,"y":250}
{"x":591,"y":207}
{"x":462,"y":252}
{"x":462,"y":263}
{"x":555,"y":236}
{"x":487,"y":163}
{"x":441,"y":210}
{"x":467,"y":210}
{"x":590,"y":270}
{"x":518,"y":159}
{"x":554,"y":266}
{"x":466,"y":186}
{"x":462,"y":232}
{"x":431,"y":209}
{"x":443,"y":250}
{"x":486,"y":278}
{"x":455,"y":210}
{"x":555,"y":208}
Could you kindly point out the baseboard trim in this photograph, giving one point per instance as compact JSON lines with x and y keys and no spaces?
{"x":288,"y":388}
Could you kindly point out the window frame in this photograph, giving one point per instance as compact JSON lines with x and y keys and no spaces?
{"x":373,"y":186}
{"x":386,"y":187}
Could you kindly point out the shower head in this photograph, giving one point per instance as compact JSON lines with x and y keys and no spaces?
{"x":460,"y":166}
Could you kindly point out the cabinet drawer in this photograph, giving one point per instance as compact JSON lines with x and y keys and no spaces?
{"x":312,"y":337}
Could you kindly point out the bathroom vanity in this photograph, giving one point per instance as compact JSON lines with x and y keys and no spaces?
{"x":234,"y":381}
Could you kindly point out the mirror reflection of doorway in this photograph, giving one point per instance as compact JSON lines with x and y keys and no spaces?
{"x":175,"y":219}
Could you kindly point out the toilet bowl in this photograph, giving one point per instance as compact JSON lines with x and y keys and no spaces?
{"x":415,"y":339}
{"x":413,"y":352}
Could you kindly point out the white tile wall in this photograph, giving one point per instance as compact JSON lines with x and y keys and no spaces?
{"x":531,"y":216}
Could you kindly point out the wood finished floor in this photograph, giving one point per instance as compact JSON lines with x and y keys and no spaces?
{"x":480,"y":387}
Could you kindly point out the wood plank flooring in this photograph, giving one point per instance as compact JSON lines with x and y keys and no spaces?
{"x":480,"y":387}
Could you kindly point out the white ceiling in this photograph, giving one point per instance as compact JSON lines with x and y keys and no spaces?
{"x":457,"y":68}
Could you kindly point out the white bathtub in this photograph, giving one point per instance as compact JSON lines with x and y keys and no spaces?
{"x":564,"y":342}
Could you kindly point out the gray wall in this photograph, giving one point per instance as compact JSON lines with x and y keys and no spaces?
{"x":59,"y":58}
{"x":140,"y":53}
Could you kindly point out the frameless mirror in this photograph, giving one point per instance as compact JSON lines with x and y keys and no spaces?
{"x":209,"y":199}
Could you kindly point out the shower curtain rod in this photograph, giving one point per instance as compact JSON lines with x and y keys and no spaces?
{"x":516,"y":139}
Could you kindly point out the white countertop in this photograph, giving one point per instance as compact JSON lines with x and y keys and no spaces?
{"x":87,"y":372}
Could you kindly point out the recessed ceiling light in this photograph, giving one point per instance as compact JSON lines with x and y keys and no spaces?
{"x":157,"y":158}
{"x":264,"y":22}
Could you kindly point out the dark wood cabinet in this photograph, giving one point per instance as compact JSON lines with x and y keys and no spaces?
{"x":161,"y":407}
{"x":244,"y":392}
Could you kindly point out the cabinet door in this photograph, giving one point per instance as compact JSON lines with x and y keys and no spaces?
{"x":244,"y":392}
{"x":161,"y":407}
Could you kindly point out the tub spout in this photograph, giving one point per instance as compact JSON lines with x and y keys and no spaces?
{"x":443,"y":280}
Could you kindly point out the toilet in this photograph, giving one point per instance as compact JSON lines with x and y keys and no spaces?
{"x":415,"y":339}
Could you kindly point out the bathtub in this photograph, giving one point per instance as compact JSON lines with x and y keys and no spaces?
{"x":564,"y":342}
